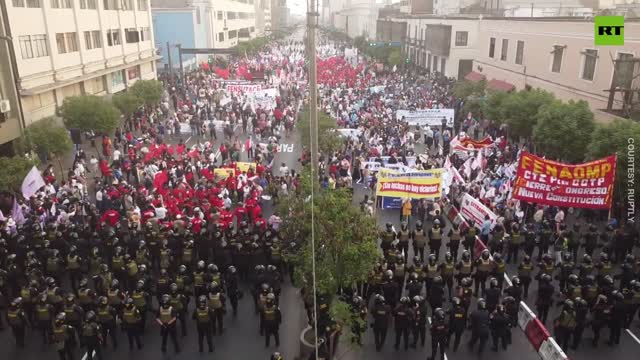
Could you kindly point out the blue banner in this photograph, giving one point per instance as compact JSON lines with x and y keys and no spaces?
{"x":391,"y":202}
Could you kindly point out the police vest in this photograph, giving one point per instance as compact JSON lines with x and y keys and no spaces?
{"x":73,"y":263}
{"x":524,"y":270}
{"x":180,"y":282}
{"x":176,"y":302}
{"x":591,"y":292}
{"x":548,"y":268}
{"x":500,"y":267}
{"x":399,"y":272}
{"x":606,"y":269}
{"x":113,"y":297}
{"x":576,"y":292}
{"x":14,"y":318}
{"x":202,"y":315}
{"x":59,"y":333}
{"x":141,"y":257}
{"x":187,"y":255}
{"x":88,"y":330}
{"x":262,"y":300}
{"x":165,"y":314}
{"x":516,"y":238}
{"x":466,"y":268}
{"x":138,"y":299}
{"x":117,"y":263}
{"x":25,"y":293}
{"x":94,"y":263}
{"x":104,"y":314}
{"x":132,"y":268}
{"x":53,"y":297}
{"x":568,"y":320}
{"x":436,"y":234}
{"x":455,"y":235}
{"x":71,"y":314}
{"x":216,"y":278}
{"x":471,"y":234}
{"x":130,"y":316}
{"x":485,"y":265}
{"x":83,"y":296}
{"x":432,"y":271}
{"x":420,"y":238}
{"x":198,"y":278}
{"x":270,"y":313}
{"x":53,"y":265}
{"x":275,"y":253}
{"x":215,"y":301}
{"x":403,"y":236}
{"x":164,"y":259}
{"x":447,"y":270}
{"x":586,"y":269}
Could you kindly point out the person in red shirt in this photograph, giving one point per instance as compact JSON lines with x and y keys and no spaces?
{"x":240,"y":212}
{"x":256,"y":212}
{"x":110,"y":217}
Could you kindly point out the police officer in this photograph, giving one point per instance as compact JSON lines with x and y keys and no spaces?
{"x":516,"y":239}
{"x":419,"y":320}
{"x":565,"y":324}
{"x":387,"y":237}
{"x":404,"y":316}
{"x":545,"y":294}
{"x":359,"y":317}
{"x":391,"y":289}
{"x":419,"y":238}
{"x":17,"y":319}
{"x":457,"y":321}
{"x":44,"y":317}
{"x":454,"y":235}
{"x":231,"y":280}
{"x":140,"y":298}
{"x":203,"y":316}
{"x":439,"y":333}
{"x":492,"y":295}
{"x":216,"y":302}
{"x":566,"y":269}
{"x":500,"y":329}
{"x":179,"y":304}
{"x":166,"y":317}
{"x":131,"y":319}
{"x":91,"y":335}
{"x":480,"y":323}
{"x":86,"y":295}
{"x":73,"y":313}
{"x":618,"y":317}
{"x":464,"y":267}
{"x":63,"y":337}
{"x":381,"y":313}
{"x":524,"y":274}
{"x":435,"y":239}
{"x":403,"y":240}
{"x":483,"y":267}
{"x":498,"y":269}
{"x":436,"y":295}
{"x":470,"y":238}
{"x":601,"y":317}
{"x":74,"y":263}
{"x":582,"y":309}
{"x":271,"y":318}
{"x":447,"y":270}
{"x":106,"y":316}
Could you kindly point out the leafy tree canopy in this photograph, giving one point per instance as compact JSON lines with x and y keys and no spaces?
{"x":89,"y":113}
{"x":14,"y":170}
{"x":45,"y":136}
{"x":519,"y":109}
{"x":127,"y":103}
{"x":149,"y":91}
{"x":328,"y":140}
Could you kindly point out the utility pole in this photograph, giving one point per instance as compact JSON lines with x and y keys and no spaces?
{"x":169,"y":59}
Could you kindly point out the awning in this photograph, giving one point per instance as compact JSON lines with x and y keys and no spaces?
{"x":500,"y":85}
{"x":474,"y":76}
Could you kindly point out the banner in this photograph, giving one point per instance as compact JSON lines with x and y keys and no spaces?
{"x":466,"y":143}
{"x":588,"y":185}
{"x":377,"y":89}
{"x":32,"y":183}
{"x":391,"y":203}
{"x":265,"y":98}
{"x":414,"y":184}
{"x":243,"y":88}
{"x":472,"y":209}
{"x":424,"y":117}
{"x":245,"y":166}
{"x":223,"y":173}
{"x":411,"y":160}
{"x":350,"y":133}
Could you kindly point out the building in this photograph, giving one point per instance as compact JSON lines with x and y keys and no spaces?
{"x":358,"y":18}
{"x":280,"y":14}
{"x":519,"y":8}
{"x":10,"y":119}
{"x":218,"y":24}
{"x":555,"y":54}
{"x":76,"y":47}
{"x":263,"y":9}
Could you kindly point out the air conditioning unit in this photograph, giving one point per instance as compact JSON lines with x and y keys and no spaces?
{"x":5,"y":106}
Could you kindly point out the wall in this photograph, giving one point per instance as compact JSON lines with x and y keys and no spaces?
{"x":177,"y":27}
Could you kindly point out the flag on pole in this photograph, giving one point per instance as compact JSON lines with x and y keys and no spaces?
{"x":32,"y":183}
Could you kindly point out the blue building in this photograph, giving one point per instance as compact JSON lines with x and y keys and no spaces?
{"x":175,"y":23}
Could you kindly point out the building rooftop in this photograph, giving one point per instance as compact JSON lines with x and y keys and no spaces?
{"x":171,"y":4}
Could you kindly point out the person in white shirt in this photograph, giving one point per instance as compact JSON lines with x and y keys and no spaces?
{"x":116,"y":154}
{"x":161,"y":212}
{"x":284,"y":169}
{"x":94,"y":164}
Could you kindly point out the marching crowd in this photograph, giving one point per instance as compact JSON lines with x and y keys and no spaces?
{"x":173,"y":235}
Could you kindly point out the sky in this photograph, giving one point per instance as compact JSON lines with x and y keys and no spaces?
{"x":299,"y":7}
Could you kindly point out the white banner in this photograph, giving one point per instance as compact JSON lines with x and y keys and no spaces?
{"x":524,"y":315}
{"x":32,"y":183}
{"x":243,"y":88}
{"x":411,"y":160}
{"x":550,"y":350}
{"x":377,"y":89}
{"x":351,"y":133}
{"x":265,"y":99}
{"x":424,"y":117}
{"x":472,"y":209}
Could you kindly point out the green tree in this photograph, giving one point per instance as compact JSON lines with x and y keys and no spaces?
{"x":395,"y":57}
{"x":149,"y":91}
{"x":563,"y":130}
{"x":127,"y":103}
{"x":465,"y":88}
{"x":89,"y":113}
{"x":493,"y":109}
{"x":519,"y":110}
{"x":46,"y":137}
{"x":615,"y":138}
{"x":14,"y":170}
{"x":329,"y":141}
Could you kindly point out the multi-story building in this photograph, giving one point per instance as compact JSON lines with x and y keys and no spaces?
{"x":280,"y":14}
{"x":556,"y":54}
{"x":218,"y":24}
{"x":264,"y":19}
{"x":72,"y":47}
{"x":10,"y":118}
{"x":358,"y":18}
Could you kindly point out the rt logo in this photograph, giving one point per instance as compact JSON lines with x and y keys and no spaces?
{"x":609,"y":30}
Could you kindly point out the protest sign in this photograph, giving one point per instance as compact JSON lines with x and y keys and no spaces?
{"x":245,"y":166}
{"x":472,"y":209}
{"x":411,"y":160}
{"x":350,"y":133}
{"x":265,"y":98}
{"x":424,"y":117}
{"x":377,"y":89}
{"x":588,"y":185}
{"x":223,"y":173}
{"x":426,"y":184}
{"x":243,"y":88}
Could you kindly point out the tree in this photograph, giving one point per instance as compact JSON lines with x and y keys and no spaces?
{"x":395,"y":57}
{"x":149,"y":91}
{"x":465,"y":88}
{"x":46,"y":137}
{"x":329,"y":141}
{"x":127,"y":103}
{"x":493,"y":109}
{"x":563,"y":130}
{"x":13,"y":172}
{"x":615,"y":138}
{"x":519,"y":110}
{"x":89,"y":113}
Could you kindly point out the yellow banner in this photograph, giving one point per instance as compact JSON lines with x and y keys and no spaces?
{"x":223,"y":173}
{"x":418,"y":184}
{"x":245,"y":166}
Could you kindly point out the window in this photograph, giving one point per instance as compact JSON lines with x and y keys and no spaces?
{"x":17,"y":3}
{"x":443,"y":63}
{"x":126,"y":5}
{"x":61,"y":4}
{"x":231,"y":15}
{"x":25,"y":47}
{"x":62,"y":49}
{"x":519,"y":52}
{"x":220,"y":36}
{"x":98,"y":85}
{"x":87,"y":40}
{"x":97,"y":39}
{"x":113,"y":37}
{"x":623,"y":73}
{"x":92,"y":40}
{"x":558,"y":51}
{"x":492,"y":47}
{"x":88,"y":4}
{"x":39,"y":43}
{"x":505,"y":49}
{"x":142,"y":5}
{"x":33,"y":4}
{"x":461,"y":38}
{"x":233,"y":34}
{"x":253,"y":29}
{"x":72,"y":41}
{"x":145,"y":34}
{"x":220,"y":15}
{"x":589,"y":67}
{"x":131,"y":35}
{"x":110,"y":4}
{"x":198,"y":15}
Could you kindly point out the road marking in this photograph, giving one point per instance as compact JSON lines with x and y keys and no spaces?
{"x":84,"y":357}
{"x":633,"y":336}
{"x":285,"y":148}
{"x":429,"y":320}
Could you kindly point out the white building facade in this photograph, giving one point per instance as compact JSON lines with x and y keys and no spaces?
{"x":228,"y":22}
{"x":358,"y":18}
{"x":76,"y":47}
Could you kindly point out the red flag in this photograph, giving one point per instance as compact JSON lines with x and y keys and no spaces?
{"x":160,"y":179}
